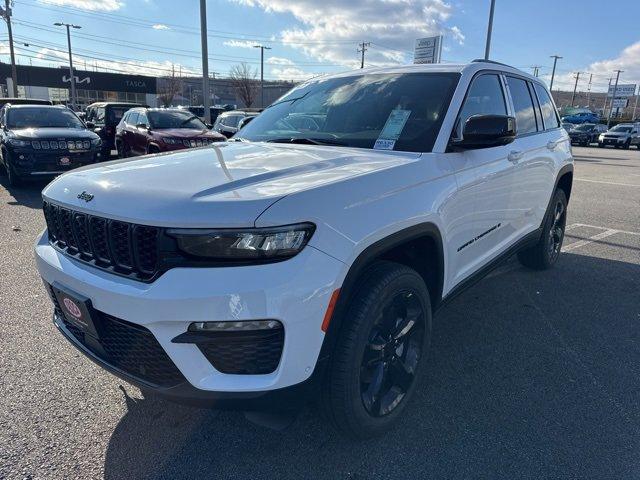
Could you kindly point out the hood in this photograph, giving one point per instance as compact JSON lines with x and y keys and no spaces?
{"x":225,"y":185}
{"x":617,"y":134}
{"x":186,"y":132}
{"x":54,"y":133}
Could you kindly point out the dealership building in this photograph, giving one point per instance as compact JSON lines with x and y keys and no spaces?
{"x":49,"y":83}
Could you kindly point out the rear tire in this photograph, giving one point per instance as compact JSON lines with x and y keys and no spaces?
{"x":382,"y":347}
{"x":123,"y":150}
{"x":545,"y":253}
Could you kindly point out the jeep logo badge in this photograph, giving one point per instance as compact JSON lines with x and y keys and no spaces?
{"x":87,"y":197}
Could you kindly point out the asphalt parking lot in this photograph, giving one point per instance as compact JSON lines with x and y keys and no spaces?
{"x":532,"y":375}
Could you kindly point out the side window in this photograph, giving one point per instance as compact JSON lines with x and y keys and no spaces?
{"x":89,"y":115}
{"x":133,"y":118}
{"x":485,"y":97}
{"x":523,"y":105}
{"x":142,"y":118}
{"x":99,"y":115}
{"x":549,"y":114}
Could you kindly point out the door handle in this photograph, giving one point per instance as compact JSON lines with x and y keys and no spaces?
{"x":514,"y":156}
{"x":552,"y":144}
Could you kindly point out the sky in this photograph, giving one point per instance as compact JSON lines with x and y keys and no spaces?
{"x":313,"y":37}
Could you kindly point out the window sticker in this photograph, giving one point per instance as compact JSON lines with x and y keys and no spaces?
{"x":392,"y":129}
{"x":384,"y":144}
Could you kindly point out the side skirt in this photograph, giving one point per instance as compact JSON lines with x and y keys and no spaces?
{"x":527,"y":241}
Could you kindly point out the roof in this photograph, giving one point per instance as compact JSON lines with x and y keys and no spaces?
{"x":104,"y":104}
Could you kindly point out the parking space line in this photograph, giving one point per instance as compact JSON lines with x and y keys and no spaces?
{"x":587,"y":241}
{"x":606,"y":183}
{"x":576,"y":225}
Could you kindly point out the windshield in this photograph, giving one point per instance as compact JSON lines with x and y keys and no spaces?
{"x":383,"y":111}
{"x":585,"y":128}
{"x":620,"y":128}
{"x":174,"y":119}
{"x":37,"y":117}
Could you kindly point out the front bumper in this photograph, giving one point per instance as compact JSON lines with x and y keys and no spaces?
{"x":296,"y":292}
{"x":34,"y":163}
{"x":613,"y":141}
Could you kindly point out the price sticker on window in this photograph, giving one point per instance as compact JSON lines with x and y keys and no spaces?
{"x":392,"y":129}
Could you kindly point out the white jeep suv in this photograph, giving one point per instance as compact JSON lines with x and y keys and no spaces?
{"x":304,"y":259}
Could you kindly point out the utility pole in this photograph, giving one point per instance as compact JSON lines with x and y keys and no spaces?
{"x":363,"y":48}
{"x":615,"y":90}
{"x":575,"y":87}
{"x":262,"y":49}
{"x":487,"y":47}
{"x":535,"y":69}
{"x":606,"y":97}
{"x":553,"y":72}
{"x":72,"y":78}
{"x":6,"y":14}
{"x":589,"y":91}
{"x":205,"y":61}
{"x":633,"y":115}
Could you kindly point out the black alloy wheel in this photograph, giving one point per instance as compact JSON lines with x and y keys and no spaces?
{"x":392,"y":354}
{"x":556,"y":232}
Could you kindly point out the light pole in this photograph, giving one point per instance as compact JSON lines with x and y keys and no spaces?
{"x":553,"y":72}
{"x":589,"y":91}
{"x":575,"y":87}
{"x":205,"y":61}
{"x":489,"y":30}
{"x":72,"y":78}
{"x":262,"y":49}
{"x":613,"y":99}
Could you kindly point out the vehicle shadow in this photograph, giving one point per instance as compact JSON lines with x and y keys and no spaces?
{"x":26,"y":195}
{"x":523,"y":382}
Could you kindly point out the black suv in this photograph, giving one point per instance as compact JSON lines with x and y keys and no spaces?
{"x":102,"y":118}
{"x":228,"y":123}
{"x":43,"y":141}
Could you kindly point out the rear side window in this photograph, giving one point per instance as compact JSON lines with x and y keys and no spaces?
{"x":548,"y":110}
{"x":99,"y":115}
{"x":485,"y":97}
{"x":523,"y":105}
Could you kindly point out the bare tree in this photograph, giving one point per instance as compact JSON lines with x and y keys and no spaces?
{"x":169,"y":87}
{"x":244,"y":82}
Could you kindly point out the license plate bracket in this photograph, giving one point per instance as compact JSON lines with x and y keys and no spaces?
{"x":76,"y":309}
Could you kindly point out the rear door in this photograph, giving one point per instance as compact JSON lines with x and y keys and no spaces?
{"x":532,"y":155}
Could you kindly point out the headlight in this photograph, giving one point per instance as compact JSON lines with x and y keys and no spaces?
{"x":170,"y":140}
{"x":247,"y":244}
{"x":19,"y":143}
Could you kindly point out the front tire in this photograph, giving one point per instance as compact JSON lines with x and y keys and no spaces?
{"x":545,"y":253}
{"x":13,"y":179}
{"x":382,"y":346}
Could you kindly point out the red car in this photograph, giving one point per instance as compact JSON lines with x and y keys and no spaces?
{"x":153,"y":130}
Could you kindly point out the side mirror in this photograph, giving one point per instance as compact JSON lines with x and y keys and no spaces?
{"x":485,"y":131}
{"x":209,"y":126}
{"x":90,"y":124}
{"x":142,"y":126}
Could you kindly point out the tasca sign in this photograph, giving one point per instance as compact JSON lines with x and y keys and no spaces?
{"x":623,"y":90}
{"x":428,"y":50}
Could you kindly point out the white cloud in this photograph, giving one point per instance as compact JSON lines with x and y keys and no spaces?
{"x":290,"y":73}
{"x":101,"y":5}
{"x":278,"y":61}
{"x":160,"y":26}
{"x":239,"y":43}
{"x":331,"y":29}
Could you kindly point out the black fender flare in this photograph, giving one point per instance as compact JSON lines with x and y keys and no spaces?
{"x":366,"y":257}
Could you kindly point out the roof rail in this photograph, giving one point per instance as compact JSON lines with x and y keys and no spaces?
{"x":482,"y":60}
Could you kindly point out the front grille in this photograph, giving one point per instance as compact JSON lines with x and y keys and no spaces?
{"x":61,"y":144}
{"x":128,"y":347}
{"x":121,"y":247}
{"x":255,"y":352}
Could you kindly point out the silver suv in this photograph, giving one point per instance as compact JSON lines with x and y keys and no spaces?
{"x":622,"y":135}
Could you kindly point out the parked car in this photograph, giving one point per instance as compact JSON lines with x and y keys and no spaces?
{"x":153,"y":130}
{"x":102,"y":118}
{"x":581,"y":117}
{"x":306,"y":264}
{"x":215,"y":111}
{"x":622,"y":135}
{"x":586,"y":133}
{"x":23,"y":101}
{"x":40,"y":141}
{"x":227,"y":123}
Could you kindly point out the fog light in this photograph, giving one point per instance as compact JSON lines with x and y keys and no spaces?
{"x":235,"y":326}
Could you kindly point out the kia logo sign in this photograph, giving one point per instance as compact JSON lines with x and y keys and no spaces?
{"x":72,"y":308}
{"x":67,"y":79}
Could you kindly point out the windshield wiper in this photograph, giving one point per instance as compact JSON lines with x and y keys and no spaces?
{"x":307,"y":141}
